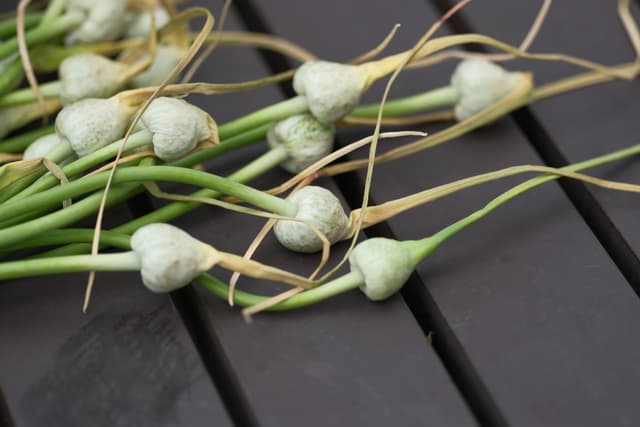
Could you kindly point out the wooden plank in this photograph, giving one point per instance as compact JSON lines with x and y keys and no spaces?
{"x":129,"y":360}
{"x":524,"y":289}
{"x":344,"y":362}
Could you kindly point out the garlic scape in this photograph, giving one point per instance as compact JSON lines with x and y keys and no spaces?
{"x":332,"y":90}
{"x":319,"y":207}
{"x":169,"y":257}
{"x":384,"y":264}
{"x":303,"y":138}
{"x":177,"y":127}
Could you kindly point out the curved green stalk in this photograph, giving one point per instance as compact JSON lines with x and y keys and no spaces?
{"x":26,"y":95}
{"x":90,"y":183}
{"x":18,"y":143}
{"x":281,"y":110}
{"x":42,"y":33}
{"x":72,"y":235}
{"x":175,"y":209}
{"x":11,"y":76}
{"x":437,"y":98}
{"x":64,"y":217}
{"x":136,"y":140}
{"x":340,"y":285}
{"x":246,"y":138}
{"x":126,"y":261}
{"x":8,"y":26}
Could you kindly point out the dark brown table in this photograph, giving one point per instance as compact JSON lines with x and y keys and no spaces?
{"x":525,"y":319}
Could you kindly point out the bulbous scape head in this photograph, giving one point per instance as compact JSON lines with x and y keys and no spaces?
{"x":170,"y":258}
{"x":332,"y":90}
{"x":41,"y":147}
{"x":91,"y":124}
{"x":322,"y":209}
{"x":305,"y":139}
{"x":177,"y":127}
{"x":87,"y":75}
{"x":480,"y":84}
{"x":385,"y":265}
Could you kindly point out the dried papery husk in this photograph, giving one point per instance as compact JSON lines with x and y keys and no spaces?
{"x":368,"y":56}
{"x":305,"y":140}
{"x":14,"y":117}
{"x":177,"y":127}
{"x":88,"y":75}
{"x":14,"y":171}
{"x":377,"y":214}
{"x":90,"y":124}
{"x":319,"y":207}
{"x":10,"y":157}
{"x":105,"y":20}
{"x":263,"y":41}
{"x":208,"y":50}
{"x":140,"y":95}
{"x":170,"y":258}
{"x":377,"y":69}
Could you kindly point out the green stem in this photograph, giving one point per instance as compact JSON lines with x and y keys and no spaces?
{"x":136,"y":140}
{"x":90,"y":183}
{"x":175,"y":209}
{"x":19,"y":143}
{"x":54,"y":9}
{"x":26,"y":95}
{"x":11,"y":76}
{"x":226,"y":145}
{"x":66,"y":216}
{"x":8,"y":26}
{"x":126,"y":261}
{"x":43,"y":33}
{"x":279,"y":111}
{"x":72,"y":235}
{"x":438,"y":98}
{"x":335,"y":287}
{"x":433,"y":242}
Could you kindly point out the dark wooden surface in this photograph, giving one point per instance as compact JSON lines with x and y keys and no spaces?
{"x":530,"y":312}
